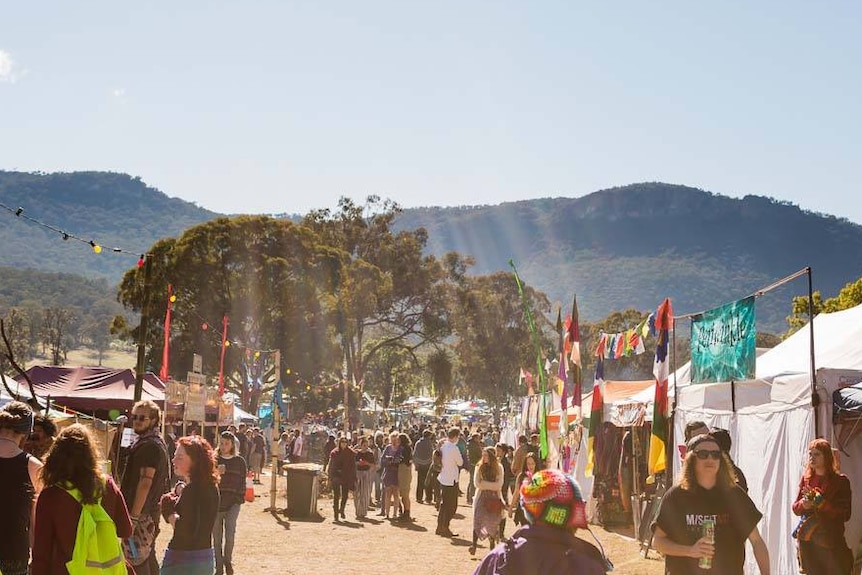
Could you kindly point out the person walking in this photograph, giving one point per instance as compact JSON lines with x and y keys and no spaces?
{"x":707,"y":490}
{"x":555,"y":510}
{"x":73,"y":478}
{"x":232,"y":471}
{"x":258,"y":447}
{"x":405,"y":475}
{"x":474,"y":457}
{"x":391,"y":460}
{"x":192,"y":509}
{"x":823,"y":504}
{"x":448,"y":478}
{"x":488,"y":502}
{"x":378,"y":447}
{"x":531,"y":466}
{"x":145,"y":478}
{"x":19,"y":486}
{"x":423,"y":453}
{"x":366,"y":469}
{"x":342,"y":476}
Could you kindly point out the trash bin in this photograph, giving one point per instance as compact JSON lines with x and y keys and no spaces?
{"x":302,"y":488}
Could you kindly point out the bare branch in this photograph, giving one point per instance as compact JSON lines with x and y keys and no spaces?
{"x":33,"y":401}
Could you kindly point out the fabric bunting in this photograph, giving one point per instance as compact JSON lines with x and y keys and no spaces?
{"x":573,"y":333}
{"x":221,"y":361}
{"x":657,"y":461}
{"x":596,"y":415}
{"x":626,"y":343}
{"x":543,"y":408}
{"x":163,"y":372}
{"x":278,"y":394}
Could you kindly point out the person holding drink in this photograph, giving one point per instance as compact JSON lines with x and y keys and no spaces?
{"x":823,"y":504}
{"x":705,"y":519}
{"x":232,"y":471}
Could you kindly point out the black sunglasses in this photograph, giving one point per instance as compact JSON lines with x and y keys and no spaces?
{"x":704,"y":453}
{"x":140,"y":417}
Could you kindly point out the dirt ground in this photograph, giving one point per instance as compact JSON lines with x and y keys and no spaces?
{"x":270,"y":542}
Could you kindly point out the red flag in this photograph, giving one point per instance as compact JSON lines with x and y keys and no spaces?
{"x":574,"y":335}
{"x":221,"y":362}
{"x":163,"y":372}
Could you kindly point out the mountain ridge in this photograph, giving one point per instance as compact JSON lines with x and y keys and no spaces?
{"x":627,"y":246}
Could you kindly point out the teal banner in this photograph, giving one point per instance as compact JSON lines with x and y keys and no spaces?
{"x":723,"y":343}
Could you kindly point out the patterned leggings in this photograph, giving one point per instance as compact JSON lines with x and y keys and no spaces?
{"x":13,"y":566}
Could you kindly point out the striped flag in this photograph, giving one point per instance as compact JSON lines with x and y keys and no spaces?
{"x":657,"y":461}
{"x":596,"y":416}
{"x":574,"y":336}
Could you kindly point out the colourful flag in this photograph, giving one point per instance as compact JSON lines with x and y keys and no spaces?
{"x":596,"y":416}
{"x":574,"y":333}
{"x":221,"y":361}
{"x":278,"y":393}
{"x":543,"y":408}
{"x":163,"y":372}
{"x":657,"y":461}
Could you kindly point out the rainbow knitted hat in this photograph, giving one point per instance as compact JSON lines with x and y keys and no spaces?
{"x":553,"y":498}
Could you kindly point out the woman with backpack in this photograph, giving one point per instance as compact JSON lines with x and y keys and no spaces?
{"x":191,"y":509}
{"x":75,"y":485}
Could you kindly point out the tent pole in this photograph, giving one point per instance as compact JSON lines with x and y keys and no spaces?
{"x":815,"y":399}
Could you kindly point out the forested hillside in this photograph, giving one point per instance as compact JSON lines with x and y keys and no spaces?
{"x":115,"y":210}
{"x":632,"y":246}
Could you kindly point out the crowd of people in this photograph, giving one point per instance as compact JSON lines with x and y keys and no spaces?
{"x":53,"y":483}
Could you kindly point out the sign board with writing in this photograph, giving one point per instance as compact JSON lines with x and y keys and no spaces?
{"x":723,"y":343}
{"x":196,"y":401}
{"x":196,"y":378}
{"x":197,"y":363}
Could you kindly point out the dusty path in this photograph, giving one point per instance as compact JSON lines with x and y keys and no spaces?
{"x":270,"y":543}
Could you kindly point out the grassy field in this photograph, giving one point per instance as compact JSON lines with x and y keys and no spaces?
{"x":90,"y":358}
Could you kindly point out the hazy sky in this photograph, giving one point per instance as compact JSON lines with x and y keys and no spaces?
{"x":282,"y":106}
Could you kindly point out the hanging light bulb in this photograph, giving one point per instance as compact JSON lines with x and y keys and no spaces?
{"x":227,"y":343}
{"x":204,"y":326}
{"x":96,"y":247}
{"x":173,"y":298}
{"x":256,"y":354}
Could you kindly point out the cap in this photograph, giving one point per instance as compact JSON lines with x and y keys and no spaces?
{"x":554,"y":498}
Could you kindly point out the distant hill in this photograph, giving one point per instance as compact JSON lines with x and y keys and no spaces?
{"x":618,"y":248}
{"x":634,"y":245}
{"x":115,"y":210}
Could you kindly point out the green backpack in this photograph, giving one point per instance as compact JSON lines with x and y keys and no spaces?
{"x":97,"y":547}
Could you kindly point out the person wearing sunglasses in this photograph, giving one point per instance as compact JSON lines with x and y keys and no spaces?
{"x":707,"y":492}
{"x":145,"y":478}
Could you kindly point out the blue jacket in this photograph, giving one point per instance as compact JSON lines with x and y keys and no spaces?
{"x":538,"y":549}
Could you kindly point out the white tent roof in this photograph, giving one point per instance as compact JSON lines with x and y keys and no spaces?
{"x":834,"y":336}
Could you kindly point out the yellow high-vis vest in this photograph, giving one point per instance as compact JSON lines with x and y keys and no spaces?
{"x":97,"y":547}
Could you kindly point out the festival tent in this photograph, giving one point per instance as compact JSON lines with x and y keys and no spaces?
{"x":772,"y":418}
{"x":88,"y":389}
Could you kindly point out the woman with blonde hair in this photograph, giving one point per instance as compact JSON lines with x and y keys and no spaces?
{"x":488,"y":501}
{"x":707,"y":517}
{"x":73,"y":478}
{"x":823,"y":502}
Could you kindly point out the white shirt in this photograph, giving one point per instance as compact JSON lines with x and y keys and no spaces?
{"x":452,"y":460}
{"x":297,"y":446}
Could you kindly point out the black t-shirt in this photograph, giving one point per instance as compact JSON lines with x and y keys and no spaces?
{"x":197,"y":508}
{"x":146,"y":453}
{"x":735,"y":516}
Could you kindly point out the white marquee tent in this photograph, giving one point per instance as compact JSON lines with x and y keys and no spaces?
{"x":772,"y":418}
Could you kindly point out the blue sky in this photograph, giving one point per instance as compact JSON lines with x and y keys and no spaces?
{"x":280,"y":106}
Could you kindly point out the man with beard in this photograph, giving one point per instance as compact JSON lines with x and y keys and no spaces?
{"x":42,"y":438}
{"x":145,"y":479}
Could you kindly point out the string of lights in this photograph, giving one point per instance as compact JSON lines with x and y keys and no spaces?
{"x":95,"y":246}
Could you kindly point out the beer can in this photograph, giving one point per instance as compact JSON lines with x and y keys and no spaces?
{"x":707,"y":529}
